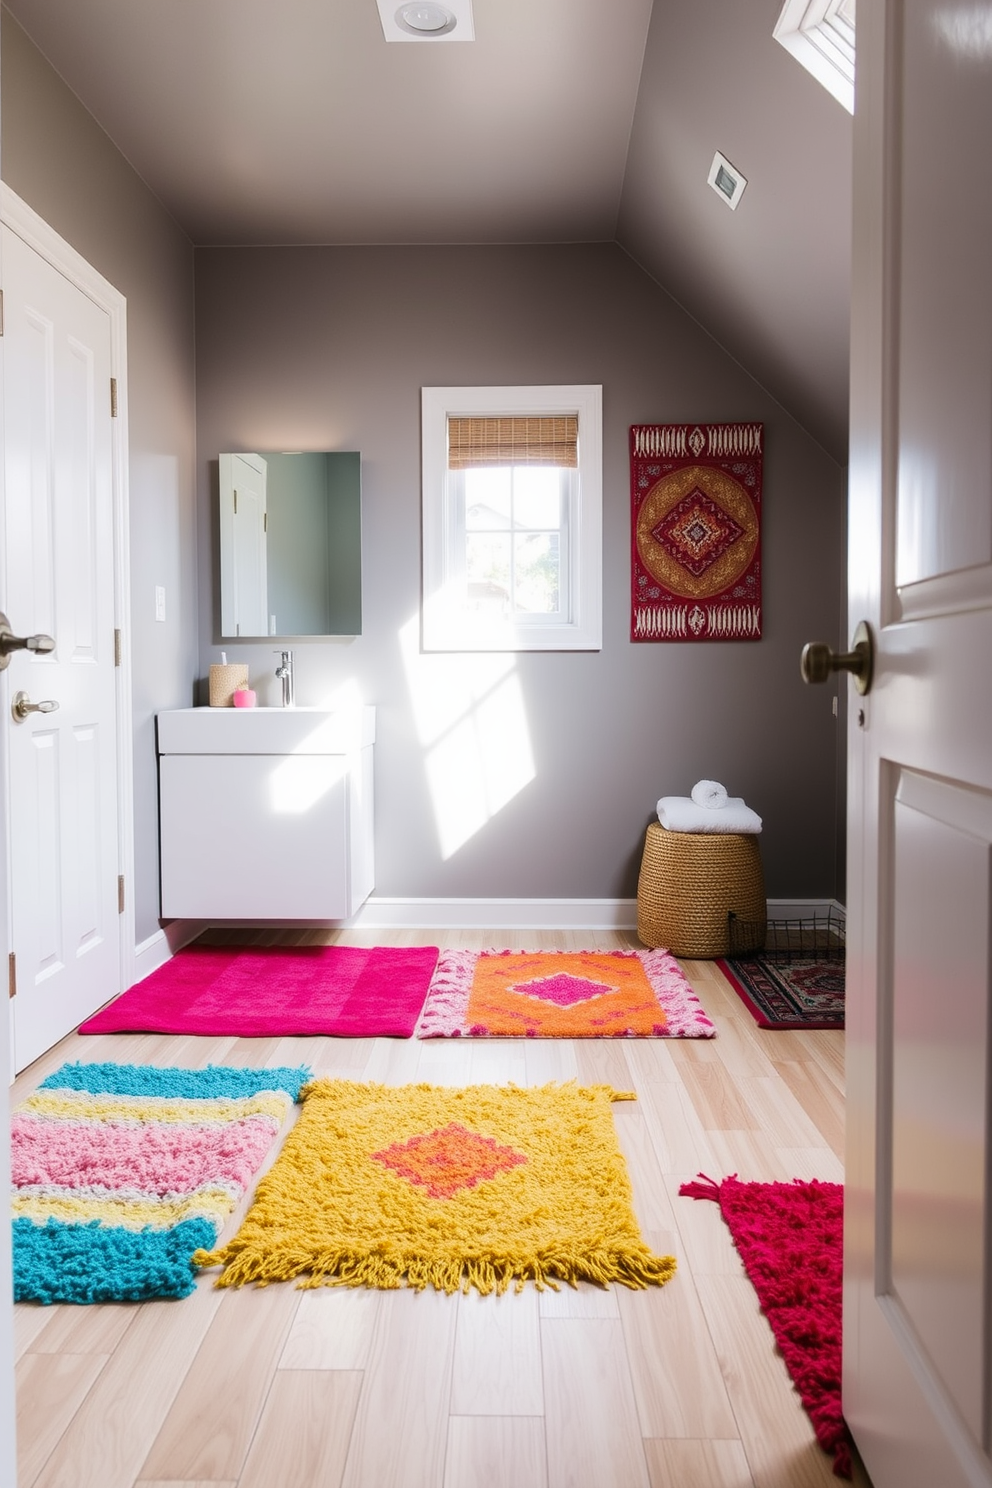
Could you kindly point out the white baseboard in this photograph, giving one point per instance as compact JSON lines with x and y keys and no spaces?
{"x":531,"y":914}
{"x":488,"y":914}
{"x":152,"y":953}
{"x":495,"y":914}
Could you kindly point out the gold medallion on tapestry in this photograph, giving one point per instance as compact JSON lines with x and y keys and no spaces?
{"x":696,"y":532}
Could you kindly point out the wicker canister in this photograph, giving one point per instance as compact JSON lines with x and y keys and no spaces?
{"x":225,"y":680}
{"x":690,"y":882}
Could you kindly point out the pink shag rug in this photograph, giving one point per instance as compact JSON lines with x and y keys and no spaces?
{"x":561,"y":994}
{"x":277,"y":991}
{"x":790,"y":1237}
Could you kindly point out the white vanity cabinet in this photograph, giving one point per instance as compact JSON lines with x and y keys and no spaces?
{"x":265,"y":813}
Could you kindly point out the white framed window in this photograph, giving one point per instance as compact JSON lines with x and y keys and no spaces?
{"x":821,"y":35}
{"x":512,"y":509}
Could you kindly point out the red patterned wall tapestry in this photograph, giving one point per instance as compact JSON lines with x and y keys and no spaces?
{"x":695,"y":507}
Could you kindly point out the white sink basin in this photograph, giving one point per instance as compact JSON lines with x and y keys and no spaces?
{"x":265,"y":730}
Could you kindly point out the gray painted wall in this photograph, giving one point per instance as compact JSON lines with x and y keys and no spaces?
{"x":62,"y":164}
{"x":328,"y":348}
{"x":771,"y":280}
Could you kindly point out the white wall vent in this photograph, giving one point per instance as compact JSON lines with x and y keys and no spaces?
{"x":726,"y":180}
{"x":820,"y":35}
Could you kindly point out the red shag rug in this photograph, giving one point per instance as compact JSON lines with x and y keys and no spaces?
{"x":790,"y":1238}
{"x":277,"y":991}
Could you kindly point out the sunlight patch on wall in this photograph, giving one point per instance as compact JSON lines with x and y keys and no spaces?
{"x":471,"y":721}
{"x":345,"y":695}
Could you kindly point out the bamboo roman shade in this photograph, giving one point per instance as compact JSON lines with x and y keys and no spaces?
{"x":547,"y":439}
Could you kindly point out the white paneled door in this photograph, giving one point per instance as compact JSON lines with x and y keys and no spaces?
{"x":59,"y":579}
{"x":918,"y":1244}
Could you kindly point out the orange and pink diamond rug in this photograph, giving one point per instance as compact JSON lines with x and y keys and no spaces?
{"x":485,"y":1187}
{"x":561,"y":994}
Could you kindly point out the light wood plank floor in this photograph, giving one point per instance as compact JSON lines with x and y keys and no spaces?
{"x":578,"y":1389}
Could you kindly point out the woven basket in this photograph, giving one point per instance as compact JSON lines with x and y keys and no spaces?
{"x":690,"y":882}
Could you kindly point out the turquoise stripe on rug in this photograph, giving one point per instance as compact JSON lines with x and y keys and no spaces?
{"x":150,"y":1079}
{"x":57,"y":1262}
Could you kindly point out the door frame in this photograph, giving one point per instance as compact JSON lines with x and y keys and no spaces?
{"x":33,"y":230}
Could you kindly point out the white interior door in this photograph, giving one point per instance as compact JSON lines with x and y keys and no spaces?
{"x":918,"y":1249}
{"x":59,"y":579}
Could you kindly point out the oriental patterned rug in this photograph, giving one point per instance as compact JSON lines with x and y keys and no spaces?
{"x":120,"y":1172}
{"x":790,"y":1238}
{"x":695,"y":493}
{"x":561,"y":994}
{"x":416,"y":1186}
{"x":804,"y":992}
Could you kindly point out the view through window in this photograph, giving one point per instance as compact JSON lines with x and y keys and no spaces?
{"x":515,"y":538}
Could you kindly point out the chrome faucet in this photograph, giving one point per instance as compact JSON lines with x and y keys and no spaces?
{"x":284,"y":671}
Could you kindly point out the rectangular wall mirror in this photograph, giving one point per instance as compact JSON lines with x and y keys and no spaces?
{"x":290,"y":544}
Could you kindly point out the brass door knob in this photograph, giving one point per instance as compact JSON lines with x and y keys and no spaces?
{"x":21,"y":705}
{"x":819,"y":661}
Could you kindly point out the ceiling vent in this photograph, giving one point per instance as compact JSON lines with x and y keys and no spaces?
{"x":726,"y":180}
{"x":820,"y":35}
{"x":426,"y":20}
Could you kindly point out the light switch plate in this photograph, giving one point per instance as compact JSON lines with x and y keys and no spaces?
{"x":160,"y":602}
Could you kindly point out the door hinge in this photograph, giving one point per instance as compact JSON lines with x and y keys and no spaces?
{"x":265,"y":521}
{"x":1,"y":312}
{"x":120,"y":893}
{"x":113,"y":397}
{"x":235,"y":503}
{"x":12,"y":975}
{"x":117,"y":648}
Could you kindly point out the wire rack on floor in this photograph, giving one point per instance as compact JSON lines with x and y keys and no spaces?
{"x":819,"y":936}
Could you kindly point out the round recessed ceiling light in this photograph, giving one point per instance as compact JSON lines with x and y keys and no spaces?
{"x":423,"y":18}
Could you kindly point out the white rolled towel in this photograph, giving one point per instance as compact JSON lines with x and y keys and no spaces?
{"x":709,"y":793}
{"x":680,"y":814}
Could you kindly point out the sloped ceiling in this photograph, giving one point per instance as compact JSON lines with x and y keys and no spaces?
{"x":293,"y":121}
{"x":565,"y":121}
{"x":771,"y":280}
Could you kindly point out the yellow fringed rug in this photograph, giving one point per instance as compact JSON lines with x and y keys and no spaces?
{"x":422,"y":1185}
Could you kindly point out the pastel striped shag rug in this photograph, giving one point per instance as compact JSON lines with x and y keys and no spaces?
{"x":121,"y":1172}
{"x":561,"y":994}
{"x":422,"y":1185}
{"x":790,"y":1237}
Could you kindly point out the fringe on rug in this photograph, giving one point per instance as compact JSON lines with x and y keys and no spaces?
{"x":484,"y":1273}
